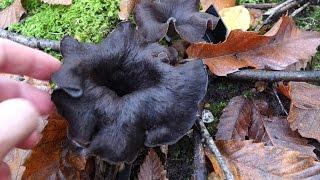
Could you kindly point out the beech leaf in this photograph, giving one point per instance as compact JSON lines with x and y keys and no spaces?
{"x":244,"y":118}
{"x":304,"y":114}
{"x":218,"y":4}
{"x":61,"y":2}
{"x":152,"y":168}
{"x":248,"y":160}
{"x":11,"y":14}
{"x":282,"y":47}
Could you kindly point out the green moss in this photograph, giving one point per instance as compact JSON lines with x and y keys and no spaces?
{"x":5,"y":3}
{"x":315,"y":63}
{"x":86,"y":20}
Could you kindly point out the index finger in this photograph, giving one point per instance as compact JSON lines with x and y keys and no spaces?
{"x":19,"y":59}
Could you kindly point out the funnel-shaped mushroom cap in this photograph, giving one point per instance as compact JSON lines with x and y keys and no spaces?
{"x":121,"y":95}
{"x":154,"y":17}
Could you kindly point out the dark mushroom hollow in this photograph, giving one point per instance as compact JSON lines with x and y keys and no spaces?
{"x":123,"y":94}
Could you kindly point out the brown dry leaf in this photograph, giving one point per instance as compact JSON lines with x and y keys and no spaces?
{"x":244,"y":118}
{"x":11,"y":14}
{"x":126,"y":8}
{"x":218,"y":4}
{"x":50,"y":159}
{"x":152,"y":168}
{"x":282,"y":46}
{"x":61,"y":2}
{"x":304,"y":114}
{"x":44,"y":159}
{"x":248,"y":160}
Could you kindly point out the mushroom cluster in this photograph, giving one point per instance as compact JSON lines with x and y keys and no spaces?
{"x":126,"y":93}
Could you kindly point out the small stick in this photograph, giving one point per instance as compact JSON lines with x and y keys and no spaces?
{"x":273,"y":76}
{"x":282,"y":8}
{"x":199,"y":161}
{"x":297,"y":11}
{"x":31,"y":42}
{"x":278,"y":7}
{"x":261,"y":6}
{"x":214,"y":149}
{"x":279,"y":100}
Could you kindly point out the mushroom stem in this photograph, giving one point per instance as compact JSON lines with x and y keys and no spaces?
{"x":214,"y":149}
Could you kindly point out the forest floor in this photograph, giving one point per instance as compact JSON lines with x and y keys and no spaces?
{"x":52,"y":22}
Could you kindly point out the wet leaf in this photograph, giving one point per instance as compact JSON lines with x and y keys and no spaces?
{"x":304,"y":114}
{"x":61,"y":2}
{"x":237,"y":17}
{"x":219,"y":5}
{"x":126,"y":8}
{"x":248,"y":160}
{"x":152,"y":168}
{"x":246,"y":119}
{"x":282,"y":47}
{"x":11,"y":14}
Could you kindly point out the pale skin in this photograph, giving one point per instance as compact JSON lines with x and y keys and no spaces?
{"x":21,"y":104}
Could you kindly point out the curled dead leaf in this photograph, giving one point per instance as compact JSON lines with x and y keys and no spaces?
{"x":283,"y":46}
{"x":246,"y":119}
{"x":248,"y":160}
{"x":11,"y":14}
{"x":304,"y":114}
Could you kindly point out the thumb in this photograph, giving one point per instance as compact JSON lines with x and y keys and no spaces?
{"x":18,"y":119}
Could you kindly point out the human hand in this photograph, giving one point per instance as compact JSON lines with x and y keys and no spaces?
{"x":21,"y":104}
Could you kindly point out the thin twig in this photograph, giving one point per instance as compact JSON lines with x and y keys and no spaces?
{"x":279,"y":10}
{"x":279,"y":100}
{"x":31,"y":42}
{"x":273,"y":76}
{"x":260,"y":5}
{"x":214,"y":149}
{"x":297,"y":11}
{"x":200,"y":170}
{"x":278,"y":7}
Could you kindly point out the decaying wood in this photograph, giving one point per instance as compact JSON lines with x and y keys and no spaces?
{"x":214,"y":149}
{"x":29,"y":41}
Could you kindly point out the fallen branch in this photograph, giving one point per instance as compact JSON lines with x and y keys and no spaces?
{"x":214,"y":149}
{"x":31,"y":42}
{"x":261,"y":6}
{"x":273,"y":76}
{"x":297,"y":11}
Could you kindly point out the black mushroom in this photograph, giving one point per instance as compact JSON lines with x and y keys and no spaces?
{"x":122,"y":94}
{"x":154,"y":18}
